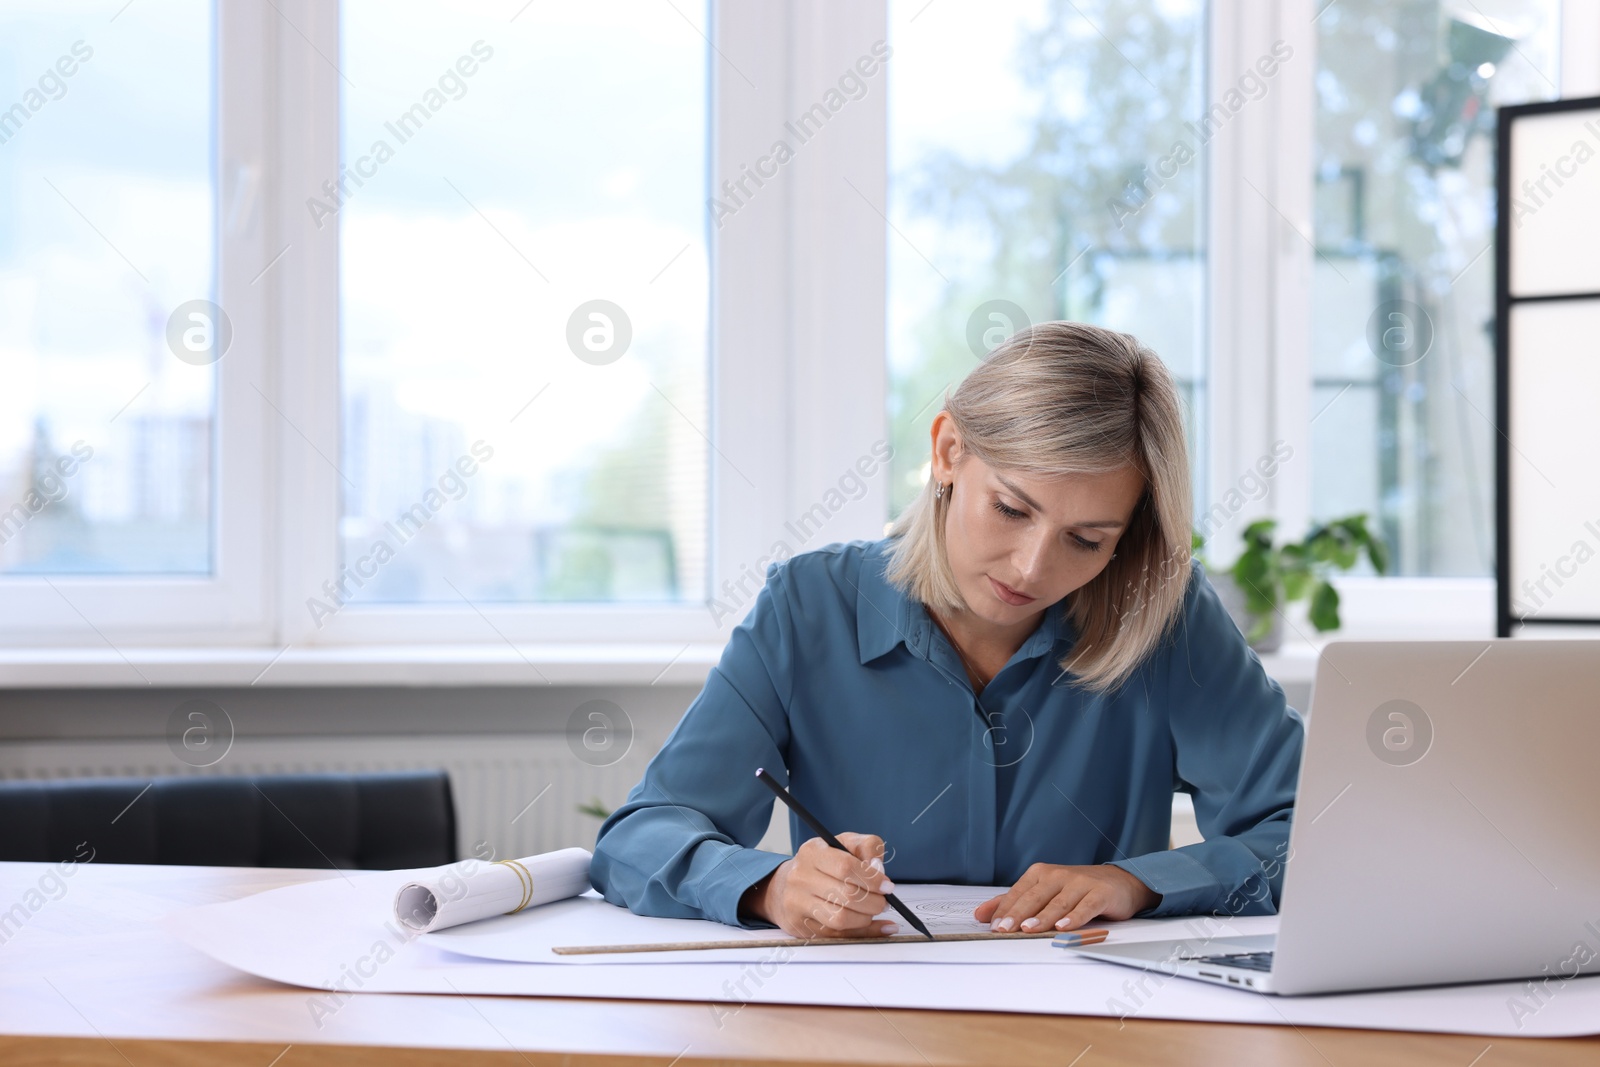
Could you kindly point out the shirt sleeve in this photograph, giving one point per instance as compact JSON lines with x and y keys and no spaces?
{"x":682,"y":845}
{"x":1237,"y":746}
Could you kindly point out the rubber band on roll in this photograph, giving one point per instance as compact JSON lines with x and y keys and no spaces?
{"x":527,"y":883}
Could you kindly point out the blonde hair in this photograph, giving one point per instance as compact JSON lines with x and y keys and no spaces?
{"x":1070,"y":398}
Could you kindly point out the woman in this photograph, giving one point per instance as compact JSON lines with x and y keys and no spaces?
{"x":1006,"y":690}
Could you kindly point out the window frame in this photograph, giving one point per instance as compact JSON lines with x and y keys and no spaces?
{"x":231,"y":604}
{"x":779,"y":293}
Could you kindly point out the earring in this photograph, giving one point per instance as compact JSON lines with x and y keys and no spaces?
{"x":938,"y":492}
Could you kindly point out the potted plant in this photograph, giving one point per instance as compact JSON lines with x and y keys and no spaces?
{"x":1264,"y":577}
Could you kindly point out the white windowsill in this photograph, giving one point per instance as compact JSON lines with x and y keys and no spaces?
{"x":428,"y":665}
{"x":1373,"y":609}
{"x":431,"y":665}
{"x":1295,"y":662}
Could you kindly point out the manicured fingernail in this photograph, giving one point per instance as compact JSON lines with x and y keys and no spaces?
{"x":1029,"y":924}
{"x":886,"y":887}
{"x":1002,"y":924}
{"x":890,"y":929}
{"x":1063,"y":922}
{"x":876,"y":864}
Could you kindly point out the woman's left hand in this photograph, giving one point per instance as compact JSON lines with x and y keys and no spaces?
{"x":1052,"y":895}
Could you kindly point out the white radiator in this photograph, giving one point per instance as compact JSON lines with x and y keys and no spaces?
{"x":517,"y":793}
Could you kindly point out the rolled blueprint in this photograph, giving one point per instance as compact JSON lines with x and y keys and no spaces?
{"x":473,"y":889}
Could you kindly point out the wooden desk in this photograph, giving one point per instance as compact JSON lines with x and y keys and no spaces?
{"x":85,"y":980}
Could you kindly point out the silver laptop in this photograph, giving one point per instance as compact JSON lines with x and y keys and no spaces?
{"x":1446,"y":827}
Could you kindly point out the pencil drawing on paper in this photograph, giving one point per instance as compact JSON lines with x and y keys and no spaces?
{"x":949,"y":912}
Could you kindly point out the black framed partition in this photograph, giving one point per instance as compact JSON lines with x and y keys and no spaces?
{"x":1547,"y":365}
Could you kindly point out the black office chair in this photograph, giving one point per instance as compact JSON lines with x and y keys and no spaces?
{"x":346,"y":821}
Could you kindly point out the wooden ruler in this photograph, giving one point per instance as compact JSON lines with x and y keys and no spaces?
{"x":1089,"y":938}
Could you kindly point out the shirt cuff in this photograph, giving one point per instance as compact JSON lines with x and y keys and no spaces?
{"x":736,"y":870}
{"x":1186,"y":885}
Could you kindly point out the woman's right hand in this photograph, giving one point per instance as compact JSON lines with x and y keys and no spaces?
{"x":823,"y":892}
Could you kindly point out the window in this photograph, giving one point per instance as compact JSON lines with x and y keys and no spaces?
{"x":1403,"y":285}
{"x":108,"y":320}
{"x":133,"y":235}
{"x":1043,"y":180}
{"x":524,"y":283}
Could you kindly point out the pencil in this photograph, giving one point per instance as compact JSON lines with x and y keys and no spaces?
{"x":822,"y":832}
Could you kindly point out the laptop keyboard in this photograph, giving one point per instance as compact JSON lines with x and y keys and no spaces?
{"x":1249,"y":961}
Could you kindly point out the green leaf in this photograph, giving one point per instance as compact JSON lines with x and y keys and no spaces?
{"x":1324,"y":611}
{"x":595,"y":808}
{"x":1332,"y":545}
{"x":1293,"y":559}
{"x":1338,"y":544}
{"x":1257,"y":584}
{"x":1252,"y":568}
{"x":1259,"y":534}
{"x":1378,"y":553}
{"x":1259,"y":629}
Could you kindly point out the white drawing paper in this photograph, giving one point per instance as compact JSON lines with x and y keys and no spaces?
{"x":338,"y":935}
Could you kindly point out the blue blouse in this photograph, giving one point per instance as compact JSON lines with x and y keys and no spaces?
{"x":846,"y":690}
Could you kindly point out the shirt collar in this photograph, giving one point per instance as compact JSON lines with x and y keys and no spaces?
{"x":886,"y":617}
